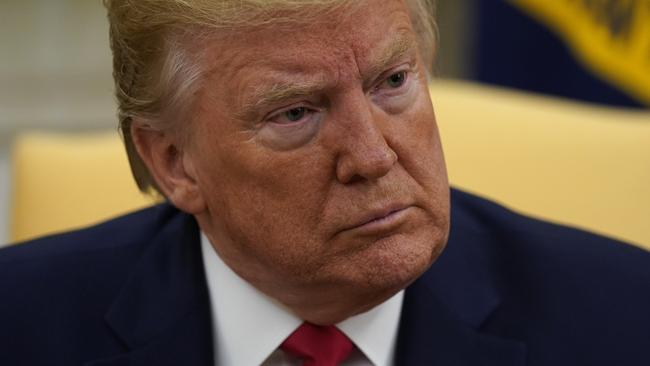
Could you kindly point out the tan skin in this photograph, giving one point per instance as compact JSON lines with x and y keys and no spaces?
{"x":313,"y":162}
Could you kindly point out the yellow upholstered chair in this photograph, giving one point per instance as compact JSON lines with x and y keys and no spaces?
{"x":583,"y":165}
{"x":62,"y":181}
{"x":572,"y":163}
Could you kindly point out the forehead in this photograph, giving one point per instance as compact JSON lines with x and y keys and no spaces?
{"x":346,"y":40}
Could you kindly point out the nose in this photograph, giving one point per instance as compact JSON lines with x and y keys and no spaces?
{"x":364,"y":152}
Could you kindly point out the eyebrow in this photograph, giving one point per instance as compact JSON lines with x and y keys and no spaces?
{"x":281,"y":91}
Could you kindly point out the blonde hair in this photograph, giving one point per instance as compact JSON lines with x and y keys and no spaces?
{"x":155,"y":72}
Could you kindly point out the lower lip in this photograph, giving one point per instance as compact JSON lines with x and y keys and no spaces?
{"x":385,"y":224}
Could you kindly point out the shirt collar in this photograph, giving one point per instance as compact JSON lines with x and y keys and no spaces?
{"x":248,"y":325}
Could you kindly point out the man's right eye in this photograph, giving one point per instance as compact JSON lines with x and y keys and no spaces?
{"x":290,"y":127}
{"x":293,"y":116}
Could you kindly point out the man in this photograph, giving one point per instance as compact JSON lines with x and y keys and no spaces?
{"x":308,"y":209}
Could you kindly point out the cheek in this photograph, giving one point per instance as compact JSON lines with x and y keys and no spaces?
{"x":269,"y":206}
{"x":430,"y":156}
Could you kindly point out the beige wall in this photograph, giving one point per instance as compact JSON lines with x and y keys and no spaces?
{"x":55,"y":65}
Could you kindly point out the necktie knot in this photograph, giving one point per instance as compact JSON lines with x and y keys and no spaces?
{"x":318,"y":345}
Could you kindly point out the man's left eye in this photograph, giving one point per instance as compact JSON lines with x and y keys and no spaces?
{"x":396,"y":80}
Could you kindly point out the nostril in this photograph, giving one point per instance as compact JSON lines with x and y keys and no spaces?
{"x":355,"y":179}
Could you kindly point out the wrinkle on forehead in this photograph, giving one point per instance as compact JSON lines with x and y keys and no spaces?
{"x":401,"y":45}
{"x":329,"y":27}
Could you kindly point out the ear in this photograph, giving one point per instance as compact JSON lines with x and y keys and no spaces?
{"x":173,"y":171}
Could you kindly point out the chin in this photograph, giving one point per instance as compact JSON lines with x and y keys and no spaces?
{"x":392,"y":263}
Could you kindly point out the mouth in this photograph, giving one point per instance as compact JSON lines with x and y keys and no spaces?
{"x":381,"y":221}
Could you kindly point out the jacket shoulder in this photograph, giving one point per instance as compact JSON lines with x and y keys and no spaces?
{"x":102,"y":251}
{"x":79,"y":267}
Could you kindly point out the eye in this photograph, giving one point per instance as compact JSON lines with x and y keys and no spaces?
{"x":290,"y":127}
{"x":394,"y":90}
{"x":295,"y":114}
{"x":396,"y":80}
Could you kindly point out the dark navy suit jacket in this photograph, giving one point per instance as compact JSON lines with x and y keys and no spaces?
{"x":508,"y":290}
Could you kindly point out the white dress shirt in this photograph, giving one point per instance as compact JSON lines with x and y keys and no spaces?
{"x":248,"y":326}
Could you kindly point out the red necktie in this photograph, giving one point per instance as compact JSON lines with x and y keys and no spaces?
{"x":318,"y":345}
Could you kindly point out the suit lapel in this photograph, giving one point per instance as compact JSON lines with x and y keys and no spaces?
{"x":430,"y":334}
{"x":162,"y":314}
{"x":187,"y":343}
{"x":444,"y":309}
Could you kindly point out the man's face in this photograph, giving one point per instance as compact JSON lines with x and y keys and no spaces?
{"x":316,"y":150}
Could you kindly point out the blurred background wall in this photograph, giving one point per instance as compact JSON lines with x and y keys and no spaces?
{"x":55,"y":66}
{"x":55,"y":74}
